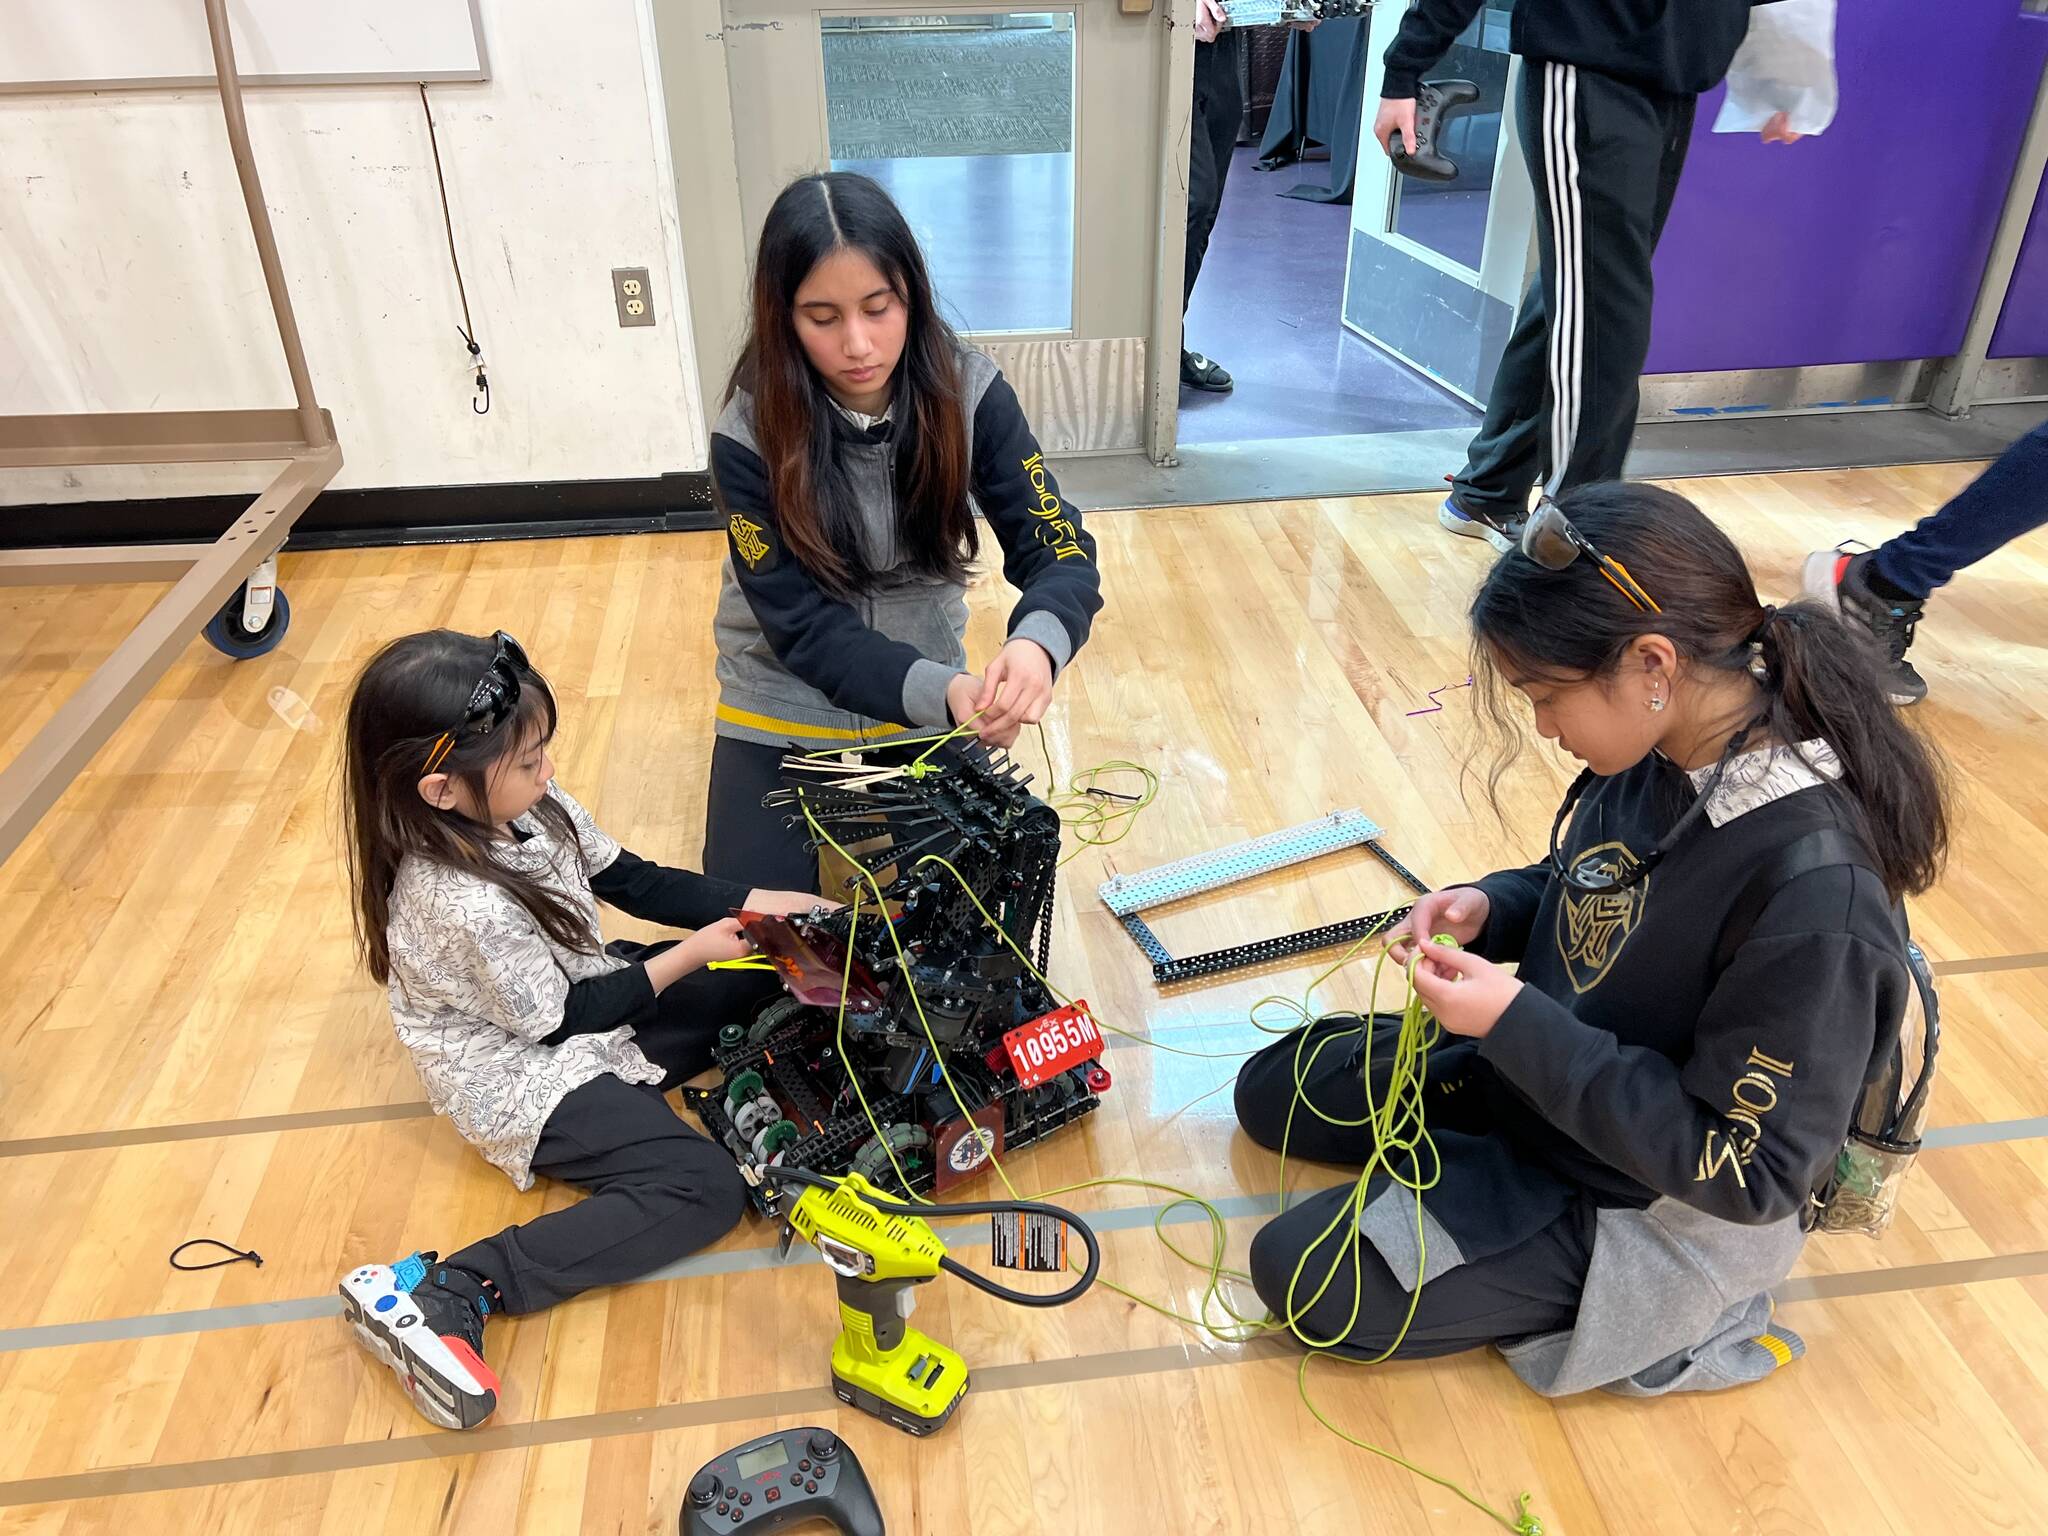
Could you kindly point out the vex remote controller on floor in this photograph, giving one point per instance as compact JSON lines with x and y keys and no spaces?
{"x":778,"y":1480}
{"x":1436,"y":103}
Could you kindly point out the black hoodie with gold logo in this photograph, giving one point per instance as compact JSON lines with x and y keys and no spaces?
{"x":1628,"y":1063}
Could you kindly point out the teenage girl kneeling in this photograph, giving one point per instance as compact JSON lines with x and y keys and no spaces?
{"x":1711,"y":964}
{"x":476,"y":882}
{"x":858,"y":440}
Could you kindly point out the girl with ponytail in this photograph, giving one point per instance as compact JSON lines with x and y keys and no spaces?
{"x":1710,"y":962}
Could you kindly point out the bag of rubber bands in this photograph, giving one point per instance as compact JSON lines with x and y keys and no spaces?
{"x":1861,"y":1194}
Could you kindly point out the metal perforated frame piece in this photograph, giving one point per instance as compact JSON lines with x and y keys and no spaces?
{"x":1125,"y":894}
{"x":1129,"y":895}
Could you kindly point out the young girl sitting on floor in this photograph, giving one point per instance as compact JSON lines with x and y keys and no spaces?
{"x":1711,"y":965}
{"x":476,"y":883}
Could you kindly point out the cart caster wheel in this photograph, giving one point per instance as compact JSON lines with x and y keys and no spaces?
{"x":225,"y":634}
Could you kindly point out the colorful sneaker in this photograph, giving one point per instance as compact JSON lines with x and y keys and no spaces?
{"x":425,"y":1320}
{"x":1840,"y":578}
{"x":1470,"y":525}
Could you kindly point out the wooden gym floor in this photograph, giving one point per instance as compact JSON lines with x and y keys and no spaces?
{"x":190,"y":1050}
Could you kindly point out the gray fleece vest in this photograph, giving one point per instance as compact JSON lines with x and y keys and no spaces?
{"x":754,"y":687}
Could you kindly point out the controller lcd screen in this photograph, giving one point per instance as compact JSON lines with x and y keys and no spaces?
{"x":769,"y":1457}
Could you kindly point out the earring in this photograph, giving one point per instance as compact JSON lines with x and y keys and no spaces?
{"x":1656,"y":703}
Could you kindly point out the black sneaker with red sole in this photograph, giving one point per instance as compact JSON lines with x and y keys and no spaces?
{"x":1840,"y":578}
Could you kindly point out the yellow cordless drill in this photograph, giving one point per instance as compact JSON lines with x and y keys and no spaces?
{"x":879,"y":1250}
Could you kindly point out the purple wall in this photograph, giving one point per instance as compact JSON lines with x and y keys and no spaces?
{"x":1865,"y":243}
{"x":2023,"y":324}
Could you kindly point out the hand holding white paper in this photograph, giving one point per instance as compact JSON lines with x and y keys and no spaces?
{"x":1786,"y":64}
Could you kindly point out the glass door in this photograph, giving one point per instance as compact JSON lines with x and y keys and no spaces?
{"x":1435,"y":271}
{"x":969,"y":122}
{"x":975,"y":117}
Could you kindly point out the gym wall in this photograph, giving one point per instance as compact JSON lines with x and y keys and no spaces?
{"x":128,"y":281}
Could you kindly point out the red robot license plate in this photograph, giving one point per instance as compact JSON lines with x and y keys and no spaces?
{"x":1050,"y":1044}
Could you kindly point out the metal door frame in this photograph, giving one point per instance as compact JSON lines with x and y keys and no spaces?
{"x":697,"y":102}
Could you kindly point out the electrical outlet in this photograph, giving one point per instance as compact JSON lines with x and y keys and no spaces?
{"x":634,"y":295}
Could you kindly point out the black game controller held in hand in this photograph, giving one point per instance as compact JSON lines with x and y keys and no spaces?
{"x":1435,"y":104}
{"x":781,"y":1479}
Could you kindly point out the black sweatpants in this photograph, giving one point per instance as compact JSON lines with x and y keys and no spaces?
{"x":1212,"y":137}
{"x":748,"y":843}
{"x":1605,"y":158}
{"x":744,"y":841}
{"x":1533,"y":1288}
{"x":657,"y":1191}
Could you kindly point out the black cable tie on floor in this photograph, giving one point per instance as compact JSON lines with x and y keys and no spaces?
{"x":252,"y":1256}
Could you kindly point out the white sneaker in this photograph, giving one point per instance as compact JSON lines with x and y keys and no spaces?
{"x":428,"y":1327}
{"x":1449,"y":517}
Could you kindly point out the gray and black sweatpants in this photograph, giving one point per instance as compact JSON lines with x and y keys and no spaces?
{"x":1605,"y":157}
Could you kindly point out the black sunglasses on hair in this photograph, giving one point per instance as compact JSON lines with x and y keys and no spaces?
{"x":1549,"y":539}
{"x":491,"y":702}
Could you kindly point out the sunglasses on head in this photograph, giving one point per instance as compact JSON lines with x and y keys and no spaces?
{"x":491,"y":702}
{"x":1549,"y":539}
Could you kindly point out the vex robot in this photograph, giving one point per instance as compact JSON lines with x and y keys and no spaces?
{"x":898,"y":1014}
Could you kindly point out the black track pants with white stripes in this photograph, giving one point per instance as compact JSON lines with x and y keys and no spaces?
{"x":1604,"y":157}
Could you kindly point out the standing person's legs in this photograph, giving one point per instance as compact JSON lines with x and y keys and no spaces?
{"x":1885,"y":589}
{"x":1490,"y":495}
{"x":1612,"y":156}
{"x":2008,"y":499}
{"x":1212,"y":139}
{"x":1676,"y":114}
{"x":1605,"y":159}
{"x":744,"y":841}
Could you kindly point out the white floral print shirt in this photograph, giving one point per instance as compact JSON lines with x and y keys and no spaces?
{"x":477,"y":985}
